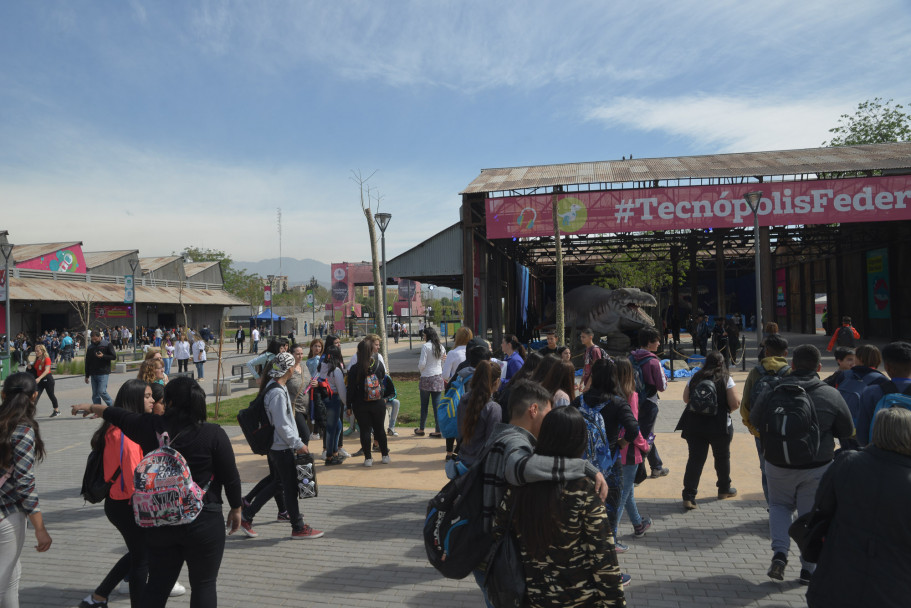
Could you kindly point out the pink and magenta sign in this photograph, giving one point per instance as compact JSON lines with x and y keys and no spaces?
{"x":872,"y":199}
{"x":69,"y":259}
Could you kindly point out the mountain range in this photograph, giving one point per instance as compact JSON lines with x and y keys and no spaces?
{"x":298,"y":271}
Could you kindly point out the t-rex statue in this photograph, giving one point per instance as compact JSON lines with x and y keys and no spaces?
{"x":609,"y":312}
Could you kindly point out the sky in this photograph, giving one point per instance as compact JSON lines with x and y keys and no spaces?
{"x":166,"y":124}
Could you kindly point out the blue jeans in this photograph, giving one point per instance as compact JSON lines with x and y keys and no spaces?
{"x":627,"y":499}
{"x":765,"y":482}
{"x":433,"y":397}
{"x":167,"y":365}
{"x":333,"y":424}
{"x":393,"y":405}
{"x":100,"y":389}
{"x":199,"y":365}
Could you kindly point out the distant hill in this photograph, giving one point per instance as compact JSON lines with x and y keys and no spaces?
{"x":298,"y":271}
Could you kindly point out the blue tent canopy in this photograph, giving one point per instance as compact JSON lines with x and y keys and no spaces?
{"x":265,"y":316}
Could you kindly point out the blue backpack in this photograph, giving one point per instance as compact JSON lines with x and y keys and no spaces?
{"x":892,"y":397}
{"x":597,"y":448}
{"x":448,"y":409}
{"x":853,"y":385}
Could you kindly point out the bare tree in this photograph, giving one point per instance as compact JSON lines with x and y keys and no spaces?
{"x":367,"y":199}
{"x":83,"y":308}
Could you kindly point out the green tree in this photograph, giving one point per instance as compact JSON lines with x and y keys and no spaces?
{"x":238,"y":282}
{"x":874,"y":122}
{"x":651,"y":275}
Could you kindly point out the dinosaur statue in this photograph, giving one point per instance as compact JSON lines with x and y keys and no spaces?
{"x":610,"y":313}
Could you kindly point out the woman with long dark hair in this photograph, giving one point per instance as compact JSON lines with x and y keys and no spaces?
{"x":332,"y":370}
{"x":210,"y":457}
{"x":478,"y":413}
{"x":563,"y":532}
{"x":701,"y":431}
{"x":121,"y":455}
{"x":432,"y":382}
{"x":560,"y":382}
{"x":513,"y":355}
{"x":369,"y":410}
{"x":21,"y":448}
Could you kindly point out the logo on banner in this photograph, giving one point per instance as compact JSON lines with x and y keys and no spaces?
{"x":340,"y":291}
{"x":571,"y":214}
{"x":339,"y":274}
{"x":128,"y":291}
{"x":526,"y":219}
{"x":267,"y":294}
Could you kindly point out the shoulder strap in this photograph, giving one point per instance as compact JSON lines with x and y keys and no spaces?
{"x":889,"y":387}
{"x":783,"y":371}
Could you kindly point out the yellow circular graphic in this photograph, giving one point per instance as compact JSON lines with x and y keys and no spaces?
{"x":571,"y":214}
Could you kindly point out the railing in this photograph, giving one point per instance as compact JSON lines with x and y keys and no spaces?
{"x":24,"y":273}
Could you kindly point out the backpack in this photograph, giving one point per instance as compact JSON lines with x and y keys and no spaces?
{"x":645,"y":391}
{"x":373,"y":388}
{"x":789,"y":428}
{"x":597,"y":448}
{"x":703,"y":398}
{"x":892,"y":397}
{"x":845,"y":336}
{"x":766,"y":383}
{"x":448,"y":408}
{"x":389,"y":388}
{"x":853,"y":385}
{"x":454,"y":536}
{"x":165,"y":494}
{"x":254,"y":422}
{"x":95,"y":487}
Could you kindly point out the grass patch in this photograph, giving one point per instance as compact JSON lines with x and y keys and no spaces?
{"x":74,"y":367}
{"x":408,"y":395}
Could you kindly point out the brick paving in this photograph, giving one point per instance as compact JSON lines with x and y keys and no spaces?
{"x":372,"y":554}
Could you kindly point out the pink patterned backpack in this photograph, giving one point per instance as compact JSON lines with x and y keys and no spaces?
{"x":166,"y":494}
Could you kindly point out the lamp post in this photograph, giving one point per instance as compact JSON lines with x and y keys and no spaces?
{"x":313,"y":285}
{"x":134,"y":264}
{"x":7,"y":250}
{"x":382,"y":220}
{"x":753,"y":199}
{"x":271,"y":278}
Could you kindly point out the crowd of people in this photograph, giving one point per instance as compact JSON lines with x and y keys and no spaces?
{"x":529,"y":420}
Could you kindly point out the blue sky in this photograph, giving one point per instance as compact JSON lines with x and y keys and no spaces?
{"x":164,"y":124}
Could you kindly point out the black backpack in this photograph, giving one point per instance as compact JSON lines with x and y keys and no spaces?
{"x":254,"y":422}
{"x":766,"y":383}
{"x":95,"y":487}
{"x":454,"y":536}
{"x":789,"y":428}
{"x":845,"y":336}
{"x":703,"y":398}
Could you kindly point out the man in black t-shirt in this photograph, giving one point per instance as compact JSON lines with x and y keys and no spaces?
{"x":551,"y":348}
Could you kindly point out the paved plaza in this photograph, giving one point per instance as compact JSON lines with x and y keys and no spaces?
{"x":372,"y":553}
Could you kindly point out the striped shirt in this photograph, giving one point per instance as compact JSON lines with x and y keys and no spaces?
{"x":17,"y":493}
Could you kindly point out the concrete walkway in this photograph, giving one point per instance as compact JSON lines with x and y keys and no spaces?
{"x":372,"y":554}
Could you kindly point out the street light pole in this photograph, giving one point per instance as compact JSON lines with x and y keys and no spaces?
{"x":134,"y":264}
{"x":382,"y":220}
{"x":753,"y":199}
{"x":7,"y":250}
{"x":271,"y":277}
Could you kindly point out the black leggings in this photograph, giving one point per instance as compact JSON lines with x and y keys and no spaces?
{"x":698,"y":446}
{"x":370,"y":416}
{"x":201,"y":545}
{"x":135,"y":564}
{"x":47,"y":385}
{"x":182,"y":365}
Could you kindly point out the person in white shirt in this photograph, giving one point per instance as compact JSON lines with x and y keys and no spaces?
{"x":431,"y":383}
{"x":182,"y":353}
{"x":199,"y":356}
{"x":254,"y":340}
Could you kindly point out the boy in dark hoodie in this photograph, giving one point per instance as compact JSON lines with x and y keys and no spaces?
{"x":650,"y":381}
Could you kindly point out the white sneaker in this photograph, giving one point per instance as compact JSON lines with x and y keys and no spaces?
{"x":178,"y":590}
{"x":314,"y":436}
{"x":124,"y":587}
{"x":343,"y":453}
{"x":385,"y":459}
{"x":368,"y":462}
{"x":323,"y":455}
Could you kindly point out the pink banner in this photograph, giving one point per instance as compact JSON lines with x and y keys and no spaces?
{"x":872,"y":199}
{"x":63,"y":260}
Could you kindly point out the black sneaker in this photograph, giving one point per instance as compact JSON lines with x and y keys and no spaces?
{"x":55,"y":414}
{"x":659,"y":472}
{"x":805,"y":576}
{"x":729,"y":493}
{"x":776,"y":570}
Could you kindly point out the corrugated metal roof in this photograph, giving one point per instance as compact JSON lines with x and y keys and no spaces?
{"x":194,"y":268}
{"x":23,"y":253}
{"x":47,"y":290}
{"x":93,"y":259}
{"x":435,"y":258}
{"x":748,"y":164}
{"x":153,"y":264}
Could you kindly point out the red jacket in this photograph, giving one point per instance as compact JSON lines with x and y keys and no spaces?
{"x":123,"y":484}
{"x":835,"y":335}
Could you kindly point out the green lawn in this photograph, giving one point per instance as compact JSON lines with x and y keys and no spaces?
{"x":408,"y":394}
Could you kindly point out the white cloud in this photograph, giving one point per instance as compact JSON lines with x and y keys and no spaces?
{"x":727,"y":124}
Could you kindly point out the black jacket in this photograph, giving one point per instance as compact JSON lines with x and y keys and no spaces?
{"x":356,"y":389}
{"x":99,"y":366}
{"x":866,"y":557}
{"x":707,"y":427}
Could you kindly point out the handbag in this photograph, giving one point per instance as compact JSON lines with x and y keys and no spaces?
{"x":505,"y":575}
{"x":809,"y":533}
